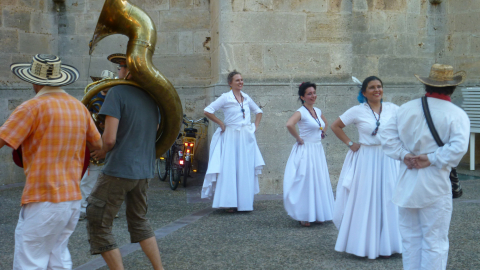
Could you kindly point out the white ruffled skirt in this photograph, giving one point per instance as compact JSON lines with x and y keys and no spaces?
{"x":366,"y":218}
{"x":234,"y":164}
{"x":307,"y":191}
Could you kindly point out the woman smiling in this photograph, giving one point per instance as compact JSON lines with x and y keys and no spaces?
{"x":235,"y":160}
{"x":307,"y":191}
{"x":364,"y":214}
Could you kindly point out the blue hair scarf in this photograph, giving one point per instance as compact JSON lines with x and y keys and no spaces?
{"x":361,"y":97}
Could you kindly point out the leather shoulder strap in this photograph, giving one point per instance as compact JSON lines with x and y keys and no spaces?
{"x":428,"y":117}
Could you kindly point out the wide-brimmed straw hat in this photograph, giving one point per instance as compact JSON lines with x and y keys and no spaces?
{"x":117,"y":58}
{"x":106,"y":74}
{"x":443,"y":76}
{"x":46,"y":69}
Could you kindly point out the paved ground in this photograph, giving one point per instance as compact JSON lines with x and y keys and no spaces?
{"x":193,"y":236}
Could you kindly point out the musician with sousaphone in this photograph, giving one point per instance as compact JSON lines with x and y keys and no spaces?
{"x":131,"y":140}
{"x":95,"y":166}
{"x":131,"y":118}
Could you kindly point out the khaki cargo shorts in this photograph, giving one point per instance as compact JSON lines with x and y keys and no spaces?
{"x":104,"y":202}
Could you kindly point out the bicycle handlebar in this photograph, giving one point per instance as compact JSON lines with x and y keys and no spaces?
{"x":187,"y":120}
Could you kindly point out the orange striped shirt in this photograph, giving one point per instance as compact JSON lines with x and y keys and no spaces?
{"x":53,"y":129}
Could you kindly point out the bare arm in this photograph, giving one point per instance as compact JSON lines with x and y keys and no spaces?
{"x":95,"y":145}
{"x":258,"y":118}
{"x":110,"y":133}
{"x":292,"y":121}
{"x":337,"y":128}
{"x":215,"y":119}
{"x":109,"y":137}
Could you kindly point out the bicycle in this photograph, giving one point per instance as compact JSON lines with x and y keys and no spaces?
{"x":178,"y":159}
{"x":190,"y":141}
{"x":168,"y":164}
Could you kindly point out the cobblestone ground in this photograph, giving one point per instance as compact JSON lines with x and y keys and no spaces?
{"x":193,"y":236}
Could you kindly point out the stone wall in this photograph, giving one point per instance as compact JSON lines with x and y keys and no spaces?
{"x":275,"y":44}
{"x":65,"y":28}
{"x":26,"y":27}
{"x":278,"y":44}
{"x":462,"y":39}
{"x":181,"y":52}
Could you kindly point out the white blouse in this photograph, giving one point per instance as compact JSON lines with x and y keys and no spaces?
{"x":362,"y":117}
{"x":308,"y":128}
{"x":232,"y":109}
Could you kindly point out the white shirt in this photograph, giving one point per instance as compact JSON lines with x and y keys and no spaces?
{"x":408,"y":132}
{"x":364,"y":120}
{"x":232,"y":109}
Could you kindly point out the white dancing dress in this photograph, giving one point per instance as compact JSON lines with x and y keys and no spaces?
{"x":307,"y":191}
{"x":365,"y":215}
{"x":235,"y":160}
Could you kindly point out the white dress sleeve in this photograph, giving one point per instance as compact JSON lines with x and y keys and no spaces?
{"x":216,"y":105}
{"x":350,"y":116}
{"x":253,"y":106}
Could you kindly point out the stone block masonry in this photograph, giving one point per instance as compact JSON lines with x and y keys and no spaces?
{"x":14,"y":18}
{"x":28,"y":27}
{"x":9,"y":41}
{"x":275,"y":44}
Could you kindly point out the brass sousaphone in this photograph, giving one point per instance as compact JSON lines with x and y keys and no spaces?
{"x":121,"y":17}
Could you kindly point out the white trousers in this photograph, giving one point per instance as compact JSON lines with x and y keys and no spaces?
{"x":88,"y":182}
{"x":425,"y":235}
{"x":41,"y":236}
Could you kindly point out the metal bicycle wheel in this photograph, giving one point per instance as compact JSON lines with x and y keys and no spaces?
{"x":161,"y":165}
{"x":186,"y":172}
{"x":174,"y":171}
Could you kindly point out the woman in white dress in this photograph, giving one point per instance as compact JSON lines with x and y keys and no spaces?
{"x":307,"y":192}
{"x":235,"y":160}
{"x":364,"y":214}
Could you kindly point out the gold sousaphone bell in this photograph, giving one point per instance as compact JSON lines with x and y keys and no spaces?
{"x":121,"y":17}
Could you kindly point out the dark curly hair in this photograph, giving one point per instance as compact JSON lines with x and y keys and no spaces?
{"x":303,"y":87}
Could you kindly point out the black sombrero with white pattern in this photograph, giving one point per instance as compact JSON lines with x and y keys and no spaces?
{"x":117,"y":58}
{"x":106,"y":74}
{"x":46,"y":69}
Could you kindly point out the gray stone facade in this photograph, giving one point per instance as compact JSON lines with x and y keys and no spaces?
{"x":275,"y":44}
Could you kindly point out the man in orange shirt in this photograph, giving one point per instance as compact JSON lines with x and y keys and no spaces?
{"x":53,"y":129}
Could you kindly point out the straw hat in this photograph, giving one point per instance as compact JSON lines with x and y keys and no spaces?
{"x":117,"y":58}
{"x":46,"y":69}
{"x":106,"y":74}
{"x":443,"y":76}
